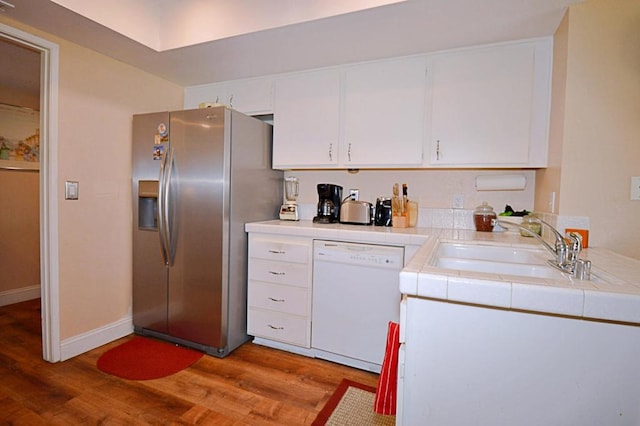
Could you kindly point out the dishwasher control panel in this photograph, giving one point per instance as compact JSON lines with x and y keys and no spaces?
{"x":381,"y":256}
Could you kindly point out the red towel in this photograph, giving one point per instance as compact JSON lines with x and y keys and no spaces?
{"x":387,"y":390}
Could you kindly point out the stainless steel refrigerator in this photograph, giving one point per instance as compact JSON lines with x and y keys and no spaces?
{"x":198,"y":177}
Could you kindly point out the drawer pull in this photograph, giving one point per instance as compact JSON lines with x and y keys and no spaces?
{"x":273,"y":327}
{"x":276,"y":251}
{"x":276,"y":300}
{"x":276,"y":273}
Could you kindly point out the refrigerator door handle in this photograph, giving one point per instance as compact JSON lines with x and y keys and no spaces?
{"x":169,"y":210}
{"x":162,"y":209}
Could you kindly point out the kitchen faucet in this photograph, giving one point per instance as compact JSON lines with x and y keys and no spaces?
{"x":566,"y":250}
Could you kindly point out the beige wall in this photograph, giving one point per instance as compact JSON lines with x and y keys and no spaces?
{"x":598,"y":142}
{"x":432,"y":189}
{"x":19,"y":230}
{"x":97,"y":97}
{"x":548,"y":180}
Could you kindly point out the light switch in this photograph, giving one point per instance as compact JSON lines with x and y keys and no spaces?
{"x":635,"y":188}
{"x":70,"y":190}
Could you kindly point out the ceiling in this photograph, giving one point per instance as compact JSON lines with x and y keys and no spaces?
{"x":169,"y":24}
{"x":174,"y":42}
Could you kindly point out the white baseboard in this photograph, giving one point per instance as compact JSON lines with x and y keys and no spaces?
{"x":317,"y":353}
{"x":95,"y":338}
{"x":18,"y":295}
{"x":284,"y":347}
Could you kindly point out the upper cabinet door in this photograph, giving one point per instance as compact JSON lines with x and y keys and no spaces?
{"x":489,"y":106}
{"x":251,"y":96}
{"x":480,"y":107}
{"x":384,"y":114}
{"x":306,"y":120}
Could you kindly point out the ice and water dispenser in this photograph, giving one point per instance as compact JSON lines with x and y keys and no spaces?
{"x":148,"y":204}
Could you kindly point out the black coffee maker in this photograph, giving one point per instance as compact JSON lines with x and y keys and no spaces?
{"x":329,"y":200}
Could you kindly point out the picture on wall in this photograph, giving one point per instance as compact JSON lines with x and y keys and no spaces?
{"x":19,"y":137}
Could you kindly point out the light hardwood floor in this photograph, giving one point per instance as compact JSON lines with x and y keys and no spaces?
{"x":254,"y":385}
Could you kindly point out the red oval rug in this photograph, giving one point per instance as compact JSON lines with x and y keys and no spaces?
{"x":143,"y":358}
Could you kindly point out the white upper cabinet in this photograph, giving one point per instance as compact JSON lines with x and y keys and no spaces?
{"x":252,"y":96}
{"x":306,"y":120}
{"x":363,"y":116}
{"x":477,"y":107}
{"x":384,"y":114}
{"x":489,"y":107}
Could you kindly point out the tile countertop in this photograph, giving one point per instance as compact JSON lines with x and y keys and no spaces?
{"x":343,"y":232}
{"x":617,"y":299}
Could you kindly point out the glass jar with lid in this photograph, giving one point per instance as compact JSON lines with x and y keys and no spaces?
{"x":532,"y":223}
{"x":483,"y":217}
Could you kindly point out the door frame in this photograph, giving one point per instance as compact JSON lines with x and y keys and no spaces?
{"x":49,"y":262}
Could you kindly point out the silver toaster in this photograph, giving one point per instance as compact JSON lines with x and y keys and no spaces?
{"x":357,"y":212}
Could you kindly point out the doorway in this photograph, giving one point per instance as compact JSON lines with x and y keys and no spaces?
{"x":49,"y":53}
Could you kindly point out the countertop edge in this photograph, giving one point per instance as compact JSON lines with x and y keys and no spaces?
{"x":617,"y":301}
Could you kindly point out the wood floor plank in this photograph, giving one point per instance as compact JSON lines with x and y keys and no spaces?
{"x":202,"y":415}
{"x":254,"y":385}
{"x":18,"y":412}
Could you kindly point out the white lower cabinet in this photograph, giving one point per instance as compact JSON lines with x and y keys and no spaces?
{"x":279,"y":288}
{"x":279,"y":298}
{"x":471,"y":365}
{"x":279,"y":326}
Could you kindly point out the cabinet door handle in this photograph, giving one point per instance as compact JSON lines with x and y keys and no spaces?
{"x":273,"y":299}
{"x":273,"y":327}
{"x":276,"y":251}
{"x":438,"y":150}
{"x":277,"y":273}
{"x":330,"y":152}
{"x":349,"y":152}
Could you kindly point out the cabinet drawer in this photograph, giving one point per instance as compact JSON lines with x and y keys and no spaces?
{"x":288,"y":251}
{"x":281,"y":327}
{"x":280,"y":298}
{"x":296,"y":274}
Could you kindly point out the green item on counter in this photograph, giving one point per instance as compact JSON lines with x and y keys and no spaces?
{"x":508,"y":211}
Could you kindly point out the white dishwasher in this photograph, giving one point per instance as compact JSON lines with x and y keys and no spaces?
{"x":355,"y":295}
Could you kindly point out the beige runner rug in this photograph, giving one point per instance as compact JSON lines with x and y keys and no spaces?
{"x":352,"y":404}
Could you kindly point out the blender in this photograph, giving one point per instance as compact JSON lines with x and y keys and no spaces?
{"x":289,"y":210}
